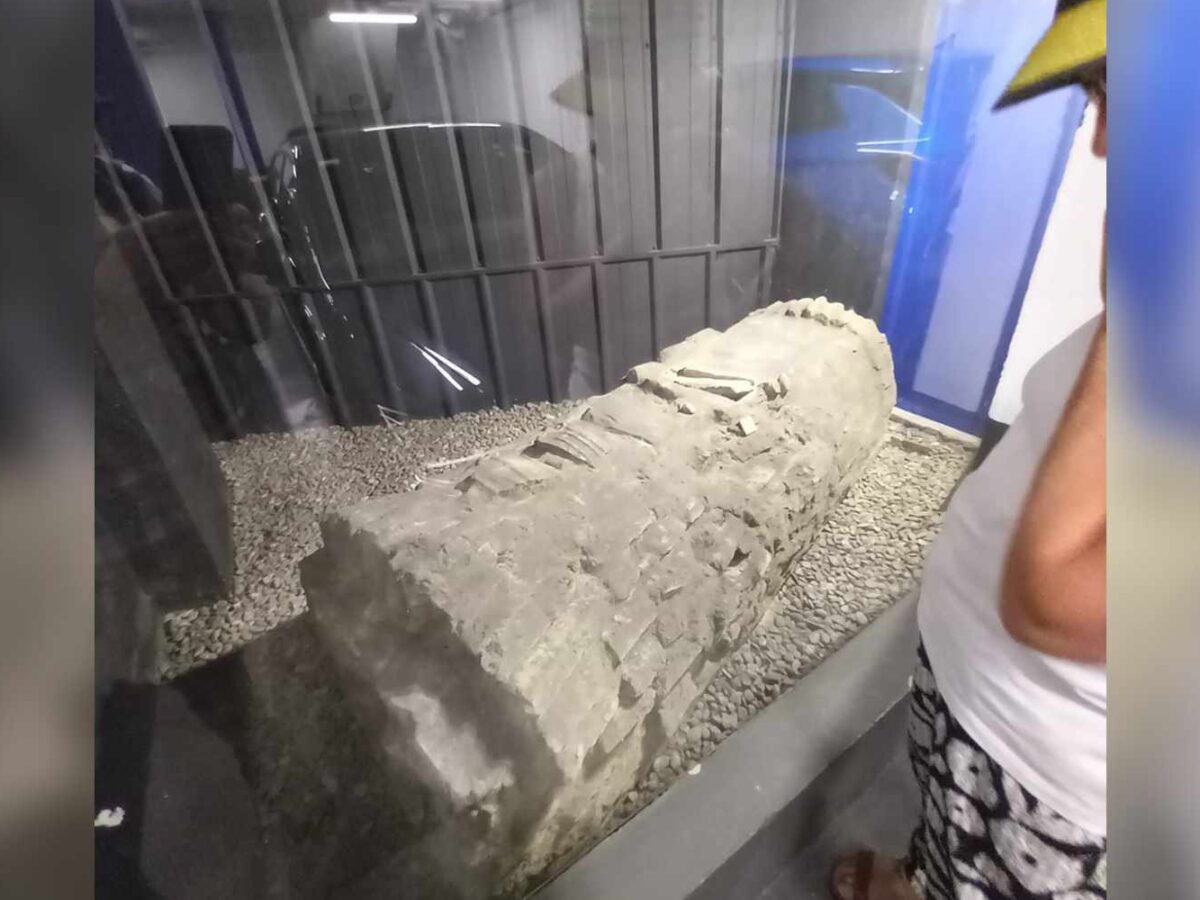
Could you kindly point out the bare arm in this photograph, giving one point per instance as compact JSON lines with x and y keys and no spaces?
{"x":1053,"y":597}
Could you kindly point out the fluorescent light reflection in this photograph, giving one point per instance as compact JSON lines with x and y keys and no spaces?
{"x":434,"y":125}
{"x":373,"y":18}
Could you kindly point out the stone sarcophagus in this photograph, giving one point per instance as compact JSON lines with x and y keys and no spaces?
{"x":528,"y":630}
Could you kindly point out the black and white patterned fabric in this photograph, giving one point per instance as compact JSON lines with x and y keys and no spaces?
{"x":982,"y":836}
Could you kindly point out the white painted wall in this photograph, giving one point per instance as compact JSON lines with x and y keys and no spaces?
{"x":1064,"y":290}
{"x":186,"y":83}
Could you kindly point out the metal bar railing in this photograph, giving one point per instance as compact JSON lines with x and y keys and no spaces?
{"x":655,"y":137}
{"x":785,"y":95}
{"x":599,"y":298}
{"x":768,"y":267}
{"x":513,"y":269}
{"x":487,"y":314}
{"x":718,"y":116}
{"x":524,"y":165}
{"x":374,"y":324}
{"x":195,"y":340}
{"x":590,"y":109}
{"x":172,"y":147}
{"x":784,"y":108}
{"x":655,"y":323}
{"x":544,"y":335}
{"x":530,"y":204}
{"x":247,"y":142}
{"x":710,"y":267}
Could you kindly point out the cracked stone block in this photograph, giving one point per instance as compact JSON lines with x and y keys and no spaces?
{"x":525,"y":633}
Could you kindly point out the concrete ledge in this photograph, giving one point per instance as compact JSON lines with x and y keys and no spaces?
{"x":726,"y":831}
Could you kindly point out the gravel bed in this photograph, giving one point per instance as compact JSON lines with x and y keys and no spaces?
{"x":281,"y":485}
{"x":868,"y":556}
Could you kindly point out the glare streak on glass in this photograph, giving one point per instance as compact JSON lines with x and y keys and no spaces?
{"x":475,"y":382}
{"x":434,"y":362}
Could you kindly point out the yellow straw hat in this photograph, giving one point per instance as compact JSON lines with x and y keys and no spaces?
{"x":1076,"y":41}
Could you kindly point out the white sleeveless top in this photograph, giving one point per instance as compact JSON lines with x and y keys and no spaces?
{"x":1043,"y":719}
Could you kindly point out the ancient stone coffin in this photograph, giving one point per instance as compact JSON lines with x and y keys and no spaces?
{"x":527,"y":631}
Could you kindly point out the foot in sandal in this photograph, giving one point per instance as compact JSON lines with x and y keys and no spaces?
{"x":868,"y":876}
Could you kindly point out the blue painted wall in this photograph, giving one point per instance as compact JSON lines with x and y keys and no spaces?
{"x":978,"y":199}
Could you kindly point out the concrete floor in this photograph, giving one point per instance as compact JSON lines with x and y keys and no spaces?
{"x":880,"y":818}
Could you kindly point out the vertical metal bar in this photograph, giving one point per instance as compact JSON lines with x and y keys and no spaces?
{"x":487,"y":311}
{"x":599,"y":294}
{"x":591,"y":125}
{"x":710,"y":267}
{"x":718,"y":120}
{"x":341,"y":409}
{"x":412,"y":249}
{"x":784,"y":109}
{"x":195,"y":339}
{"x":242,"y":126}
{"x":540,"y":288}
{"x":652,"y":14}
{"x":655,"y":328}
{"x":452,"y":145}
{"x":766,"y":265}
{"x":433,"y":324}
{"x":540,"y":291}
{"x":185,"y":176}
{"x":389,"y":161}
{"x":525,"y":178}
{"x":365,"y":292}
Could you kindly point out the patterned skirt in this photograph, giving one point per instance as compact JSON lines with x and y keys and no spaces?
{"x":982,"y":836}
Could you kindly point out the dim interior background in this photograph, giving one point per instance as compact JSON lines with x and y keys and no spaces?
{"x":488,"y":203}
{"x":510,"y":202}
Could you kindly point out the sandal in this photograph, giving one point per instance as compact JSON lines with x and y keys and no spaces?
{"x":864,"y":872}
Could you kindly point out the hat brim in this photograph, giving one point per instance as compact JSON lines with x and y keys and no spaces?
{"x":1076,"y":41}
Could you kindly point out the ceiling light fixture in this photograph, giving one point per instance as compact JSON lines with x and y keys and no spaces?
{"x":373,"y":18}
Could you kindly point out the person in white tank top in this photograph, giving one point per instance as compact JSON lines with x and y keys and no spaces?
{"x":1008,"y":715}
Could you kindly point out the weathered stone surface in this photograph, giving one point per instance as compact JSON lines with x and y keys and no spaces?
{"x":528,"y":631}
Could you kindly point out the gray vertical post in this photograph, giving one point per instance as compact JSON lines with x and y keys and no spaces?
{"x":186,"y":179}
{"x":533,"y":233}
{"x":246,"y":146}
{"x":487,"y":313}
{"x":433,"y":324}
{"x":784,"y":108}
{"x":591,"y":126}
{"x":452,"y":148}
{"x":366,"y":294}
{"x":655,"y":325}
{"x":718,"y":117}
{"x":529,"y":200}
{"x":185,"y":315}
{"x":767,"y":263}
{"x":655,"y":138}
{"x":547,"y":341}
{"x":599,"y":298}
{"x":428,"y":302}
{"x":710,"y":269}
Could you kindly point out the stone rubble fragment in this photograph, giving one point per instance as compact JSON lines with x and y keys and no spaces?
{"x":527,"y":632}
{"x":745,"y":426}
